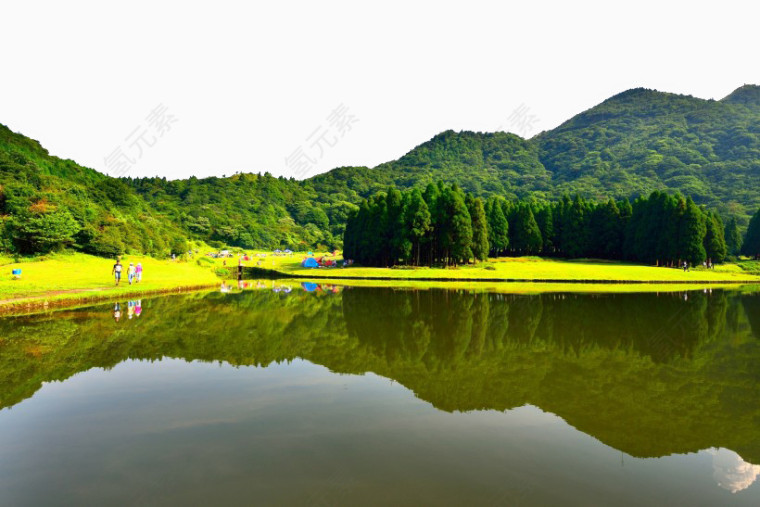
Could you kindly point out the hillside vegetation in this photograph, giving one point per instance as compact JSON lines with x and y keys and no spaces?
{"x":626,"y":147}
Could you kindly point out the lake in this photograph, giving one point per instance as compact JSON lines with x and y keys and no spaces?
{"x":312,"y":394}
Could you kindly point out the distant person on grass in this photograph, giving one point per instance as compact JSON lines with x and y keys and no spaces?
{"x":131,"y":273}
{"x":138,"y":272}
{"x":116,"y":271}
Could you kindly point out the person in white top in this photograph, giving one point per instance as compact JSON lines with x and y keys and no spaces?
{"x":116,"y":271}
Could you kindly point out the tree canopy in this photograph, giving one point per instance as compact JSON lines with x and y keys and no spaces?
{"x":630,"y":145}
{"x":446,"y":226}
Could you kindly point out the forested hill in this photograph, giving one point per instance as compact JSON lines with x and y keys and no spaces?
{"x":48,"y":203}
{"x":641,"y":140}
{"x":629,"y":145}
{"x":483,"y":163}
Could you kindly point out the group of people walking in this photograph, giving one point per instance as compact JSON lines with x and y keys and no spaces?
{"x":134,"y":272}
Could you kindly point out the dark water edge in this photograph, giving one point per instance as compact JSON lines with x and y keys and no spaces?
{"x":335,"y":391}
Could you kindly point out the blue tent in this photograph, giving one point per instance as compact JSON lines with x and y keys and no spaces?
{"x":309,"y":287}
{"x":310,"y":262}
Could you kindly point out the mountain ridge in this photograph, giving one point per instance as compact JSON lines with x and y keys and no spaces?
{"x":631,"y":144}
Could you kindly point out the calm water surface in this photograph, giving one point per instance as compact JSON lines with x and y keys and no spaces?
{"x":322,"y":395}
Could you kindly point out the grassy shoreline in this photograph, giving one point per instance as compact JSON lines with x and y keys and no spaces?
{"x":525,"y":269}
{"x":580,"y":281}
{"x":71,"y":279}
{"x":519,"y":287}
{"x":66,"y":279}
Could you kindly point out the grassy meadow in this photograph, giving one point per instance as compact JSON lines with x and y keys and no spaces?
{"x":80,"y":276}
{"x":523,"y":269}
{"x":66,"y":278}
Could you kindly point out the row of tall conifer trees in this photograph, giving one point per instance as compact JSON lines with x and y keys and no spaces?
{"x":443,"y":225}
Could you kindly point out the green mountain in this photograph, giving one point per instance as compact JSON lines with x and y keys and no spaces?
{"x":483,"y":163}
{"x":642,"y":140}
{"x":48,"y":202}
{"x":629,"y":145}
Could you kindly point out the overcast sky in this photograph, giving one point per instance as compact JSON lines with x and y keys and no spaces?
{"x":295,"y":88}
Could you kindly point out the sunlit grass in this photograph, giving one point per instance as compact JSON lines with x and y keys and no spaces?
{"x":528,"y":268}
{"x":80,"y":272}
{"x":72,"y":276}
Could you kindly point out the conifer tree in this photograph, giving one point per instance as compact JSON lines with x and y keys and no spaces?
{"x":479,"y":245}
{"x":432,"y":196}
{"x":417,"y":223}
{"x":691,"y":233}
{"x":715,"y":242}
{"x":394,"y":227}
{"x":498,"y":227}
{"x":526,"y":239}
{"x":456,"y":234}
{"x":605,"y":231}
{"x":733,"y":237}
{"x":575,"y":234}
{"x":545,"y":220}
{"x":751,"y":244}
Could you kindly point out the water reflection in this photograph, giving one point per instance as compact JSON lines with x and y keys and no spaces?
{"x":752,"y":310}
{"x":134,"y":309}
{"x":731,"y":472}
{"x":633,"y":370}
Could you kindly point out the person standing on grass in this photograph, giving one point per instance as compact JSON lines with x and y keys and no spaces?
{"x":116,"y":271}
{"x":131,"y":272}
{"x":138,"y":272}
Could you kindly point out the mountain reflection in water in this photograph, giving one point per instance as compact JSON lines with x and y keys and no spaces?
{"x":648,"y":374}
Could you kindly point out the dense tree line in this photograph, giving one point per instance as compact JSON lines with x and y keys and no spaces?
{"x":634,"y":142}
{"x":446,"y":226}
{"x":249,"y":210}
{"x":631,"y":143}
{"x":49,"y":204}
{"x":751,"y":245}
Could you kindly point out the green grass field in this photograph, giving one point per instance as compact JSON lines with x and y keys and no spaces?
{"x":71,"y":277}
{"x":524,"y":269}
{"x":79,"y":276}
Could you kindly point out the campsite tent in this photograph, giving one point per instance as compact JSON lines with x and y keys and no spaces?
{"x":310,"y":262}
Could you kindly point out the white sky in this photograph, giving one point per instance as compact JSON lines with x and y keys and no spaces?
{"x":248,"y":82}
